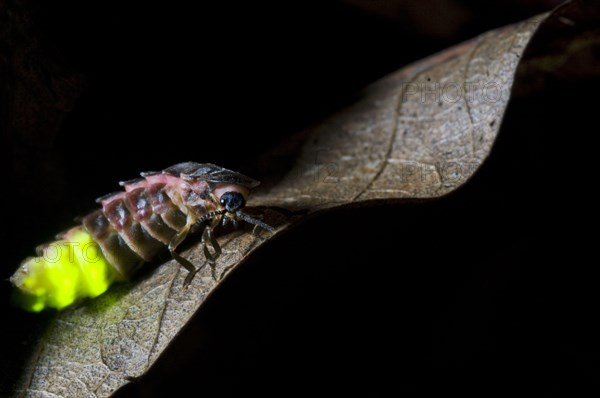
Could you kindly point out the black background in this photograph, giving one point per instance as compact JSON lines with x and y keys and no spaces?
{"x":486,"y":292}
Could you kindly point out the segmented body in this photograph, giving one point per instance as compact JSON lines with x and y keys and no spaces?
{"x":132,"y":227}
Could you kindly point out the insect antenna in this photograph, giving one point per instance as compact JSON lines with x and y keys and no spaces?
{"x":254,"y":221}
{"x":209,"y":216}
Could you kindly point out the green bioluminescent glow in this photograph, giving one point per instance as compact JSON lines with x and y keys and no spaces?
{"x":68,"y":270}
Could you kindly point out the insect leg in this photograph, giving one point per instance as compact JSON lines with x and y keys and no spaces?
{"x":209,"y":237}
{"x":176,"y":241}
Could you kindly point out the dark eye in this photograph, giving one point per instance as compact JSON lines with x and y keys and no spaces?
{"x":232,"y":201}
